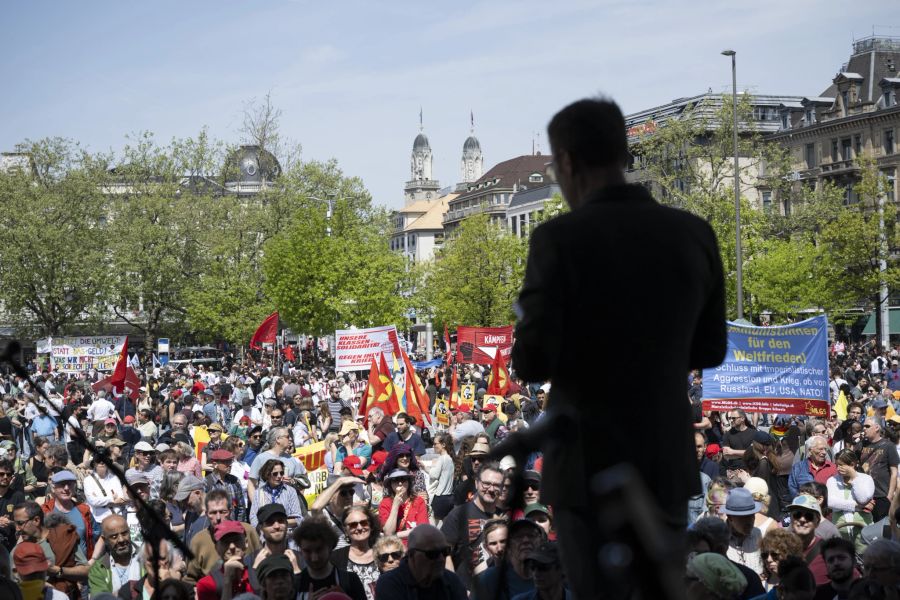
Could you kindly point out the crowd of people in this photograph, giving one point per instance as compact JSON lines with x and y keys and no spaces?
{"x":798,"y":507}
{"x":409,"y":509}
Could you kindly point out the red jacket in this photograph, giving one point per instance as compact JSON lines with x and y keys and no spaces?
{"x":48,"y":507}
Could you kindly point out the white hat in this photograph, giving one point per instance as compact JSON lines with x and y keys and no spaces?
{"x":144,"y":447}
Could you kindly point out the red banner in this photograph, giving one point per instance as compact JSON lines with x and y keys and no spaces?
{"x":778,"y":406}
{"x":478,"y":345}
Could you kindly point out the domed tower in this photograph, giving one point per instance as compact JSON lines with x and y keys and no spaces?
{"x":420,"y":185}
{"x":249,"y":169}
{"x":472,"y":165}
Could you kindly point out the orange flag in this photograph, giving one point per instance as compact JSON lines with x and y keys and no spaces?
{"x":417,"y":401}
{"x":387,"y":396}
{"x":499,"y":381}
{"x":454,"y":390}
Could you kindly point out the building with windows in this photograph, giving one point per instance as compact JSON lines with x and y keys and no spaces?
{"x":527,"y":207}
{"x":858,"y":113}
{"x":704,"y":108}
{"x":493,"y":192}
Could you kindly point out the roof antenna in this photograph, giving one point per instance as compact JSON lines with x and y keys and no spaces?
{"x":471,"y":122}
{"x":421,"y":127}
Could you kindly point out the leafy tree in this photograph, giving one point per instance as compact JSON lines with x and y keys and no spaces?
{"x":476,"y":276}
{"x":320,"y":281}
{"x":52,"y":219}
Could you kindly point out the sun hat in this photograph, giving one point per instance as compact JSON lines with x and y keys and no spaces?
{"x":480,"y":448}
{"x":740,"y":503}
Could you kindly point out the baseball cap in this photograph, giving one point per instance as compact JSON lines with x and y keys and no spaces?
{"x":347,"y":427}
{"x":273,"y":564}
{"x":109,"y":421}
{"x":214,"y":427}
{"x":489,"y":407}
{"x":712,"y":450}
{"x":353,"y":464}
{"x":532,"y":476}
{"x":62,"y":477}
{"x":879,"y":403}
{"x":805,"y":502}
{"x":244,"y":420}
{"x":761,"y":437}
{"x":128,"y":419}
{"x":134,"y":477}
{"x":226,"y":527}
{"x":188,"y":484}
{"x":144,"y":447}
{"x":545,"y":553}
{"x":221,"y":454}
{"x":268,"y":511}
{"x":536,"y":507}
{"x":29,"y":558}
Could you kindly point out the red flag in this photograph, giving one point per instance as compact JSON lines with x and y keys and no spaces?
{"x":131,"y":384}
{"x":447,"y":354}
{"x":371,"y":393}
{"x":387,"y":396}
{"x":454,"y":391}
{"x":499,"y":381}
{"x":417,"y":402}
{"x":265,"y":333}
{"x":289,"y":353}
{"x":117,"y":380}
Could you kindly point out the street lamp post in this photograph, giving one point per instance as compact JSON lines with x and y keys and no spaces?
{"x":329,"y":199}
{"x":737,"y":189}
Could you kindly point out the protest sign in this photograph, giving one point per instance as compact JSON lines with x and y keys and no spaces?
{"x":780,"y":370}
{"x":313,"y":459}
{"x":355,"y":348}
{"x":78,"y":354}
{"x":467,"y":397}
{"x":442,"y":411}
{"x":478,"y":345}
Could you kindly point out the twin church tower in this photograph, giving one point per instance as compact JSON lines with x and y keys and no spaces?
{"x":421,"y":185}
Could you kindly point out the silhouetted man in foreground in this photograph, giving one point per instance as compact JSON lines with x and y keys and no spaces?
{"x":620,"y":283}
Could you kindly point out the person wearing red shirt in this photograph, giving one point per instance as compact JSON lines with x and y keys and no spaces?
{"x":230,"y":576}
{"x":805,"y":516}
{"x":400,"y":510}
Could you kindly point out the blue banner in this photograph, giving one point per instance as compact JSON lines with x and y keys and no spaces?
{"x":782,"y":370}
{"x":421,"y":366}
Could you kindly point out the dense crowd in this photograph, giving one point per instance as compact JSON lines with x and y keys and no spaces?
{"x":408,"y":509}
{"x":797,"y":507}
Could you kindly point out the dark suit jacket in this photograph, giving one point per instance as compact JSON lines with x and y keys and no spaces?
{"x":620,"y":290}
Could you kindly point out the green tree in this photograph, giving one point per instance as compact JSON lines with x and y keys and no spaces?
{"x":476,"y":276}
{"x":320,"y":281}
{"x":52,"y":219}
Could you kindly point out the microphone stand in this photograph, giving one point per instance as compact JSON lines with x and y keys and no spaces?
{"x":156,"y":530}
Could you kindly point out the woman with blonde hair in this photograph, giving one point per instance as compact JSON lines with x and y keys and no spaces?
{"x":760,"y":491}
{"x":187,"y":460}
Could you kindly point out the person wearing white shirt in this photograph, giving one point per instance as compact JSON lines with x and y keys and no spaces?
{"x":850,"y":492}
{"x":99,"y":411}
{"x":104,"y":492}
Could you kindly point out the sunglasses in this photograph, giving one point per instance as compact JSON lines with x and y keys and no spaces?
{"x":346,"y":492}
{"x":364,"y":524}
{"x":775,"y":556}
{"x":803,"y":514}
{"x":433,"y":554}
{"x":533,"y":565}
{"x":390,"y":555}
{"x":277,"y":473}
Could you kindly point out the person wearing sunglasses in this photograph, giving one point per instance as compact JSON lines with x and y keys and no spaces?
{"x":509,"y":577}
{"x":421,"y":574}
{"x":388,"y":551}
{"x":805,"y":515}
{"x":362,"y":527}
{"x":400,"y":510}
{"x":333,"y":501}
{"x":273,"y":490}
{"x":546,"y":573}
{"x":777,"y":545}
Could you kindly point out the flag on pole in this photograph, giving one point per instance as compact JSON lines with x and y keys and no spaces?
{"x":499,"y":380}
{"x":447,"y":354}
{"x":386,"y":399}
{"x":417,"y":402}
{"x":117,"y":379}
{"x":266,"y":332}
{"x":135,"y":362}
{"x":454,"y":390}
{"x":156,"y":362}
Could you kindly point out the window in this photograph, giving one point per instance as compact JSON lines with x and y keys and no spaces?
{"x":535,"y":178}
{"x":786,"y":207}
{"x":850,"y":196}
{"x":767,"y":201}
{"x":834,"y":150}
{"x":810,"y":116}
{"x":890,"y":183}
{"x":888,"y":141}
{"x":857,"y":144}
{"x":845,"y":100}
{"x":785,"y":120}
{"x":846,"y":153}
{"x":514,"y":225}
{"x":810,"y":156}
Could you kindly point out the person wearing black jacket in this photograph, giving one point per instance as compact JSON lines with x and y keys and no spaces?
{"x":421,"y":574}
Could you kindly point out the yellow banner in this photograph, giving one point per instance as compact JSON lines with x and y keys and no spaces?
{"x":312,"y":456}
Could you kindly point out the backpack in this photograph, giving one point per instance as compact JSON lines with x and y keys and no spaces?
{"x":63,"y":540}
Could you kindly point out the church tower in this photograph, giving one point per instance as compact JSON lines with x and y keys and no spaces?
{"x":421,"y":186}
{"x":472,"y":165}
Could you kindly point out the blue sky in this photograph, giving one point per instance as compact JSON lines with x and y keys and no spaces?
{"x":350,"y":76}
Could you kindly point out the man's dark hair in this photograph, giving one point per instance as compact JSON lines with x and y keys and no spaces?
{"x":491,"y":466}
{"x":32,"y":509}
{"x":402,"y":415}
{"x":60,"y":454}
{"x":7,"y":465}
{"x":592,"y":132}
{"x":217,"y":495}
{"x":314,"y":529}
{"x":794,"y":575}
{"x":839,"y":544}
{"x":814,"y":488}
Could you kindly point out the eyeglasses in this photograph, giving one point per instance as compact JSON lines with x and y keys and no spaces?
{"x":491,"y":485}
{"x":21,"y":523}
{"x":774,"y":555}
{"x":397,"y":555}
{"x":364,"y":524}
{"x":5,"y":474}
{"x":277,"y":473}
{"x":803,"y":514}
{"x":433,"y":554}
{"x":867,"y":426}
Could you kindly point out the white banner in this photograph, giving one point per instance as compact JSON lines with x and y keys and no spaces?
{"x":83,"y":353}
{"x":355,"y":348}
{"x":43,"y":346}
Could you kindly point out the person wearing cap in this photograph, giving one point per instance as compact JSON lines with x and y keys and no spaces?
{"x":62,"y":500}
{"x":879,"y":459}
{"x":422,"y":574}
{"x":220,"y":477}
{"x":216,"y":408}
{"x":711,"y":576}
{"x":276,"y":578}
{"x":350,"y":444}
{"x":230,"y":576}
{"x":248,"y":410}
{"x":509,"y":577}
{"x":893,"y":376}
{"x":462,"y":425}
{"x":188,"y":500}
{"x":540,"y":514}
{"x":120,"y":564}
{"x":743,"y":547}
{"x":806,"y":514}
{"x":215,"y":431}
{"x":546,"y":574}
{"x":99,"y":411}
{"x":490,"y":421}
{"x":400,"y":510}
{"x":202,"y":536}
{"x":273,"y":529}
{"x":128,"y":433}
{"x":146,"y":463}
{"x":31,"y":567}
